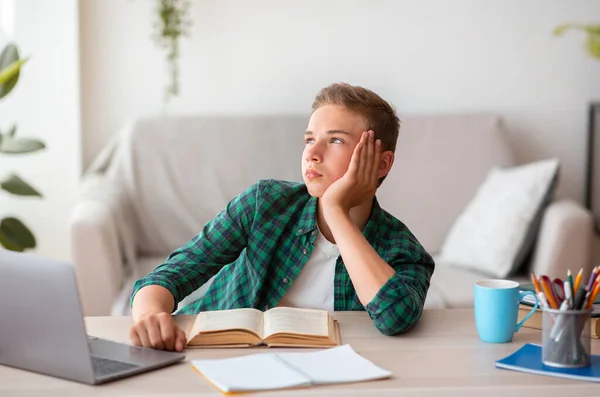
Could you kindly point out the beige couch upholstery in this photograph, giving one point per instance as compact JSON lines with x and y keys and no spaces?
{"x":162,"y":178}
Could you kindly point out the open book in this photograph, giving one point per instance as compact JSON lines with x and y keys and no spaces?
{"x":268,"y":371}
{"x":277,"y":327}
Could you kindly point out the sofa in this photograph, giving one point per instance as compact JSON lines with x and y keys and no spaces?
{"x":161,"y":178}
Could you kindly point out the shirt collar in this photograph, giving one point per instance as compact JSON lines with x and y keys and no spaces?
{"x":308,"y":219}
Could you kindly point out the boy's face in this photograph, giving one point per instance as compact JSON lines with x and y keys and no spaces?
{"x":333,"y":132}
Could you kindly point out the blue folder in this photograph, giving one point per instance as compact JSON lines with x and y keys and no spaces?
{"x":529,"y":359}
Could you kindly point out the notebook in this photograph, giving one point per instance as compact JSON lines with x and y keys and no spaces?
{"x":529,"y":359}
{"x":268,"y":371}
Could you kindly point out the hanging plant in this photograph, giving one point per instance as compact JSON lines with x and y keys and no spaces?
{"x":592,"y":42}
{"x":172,"y":23}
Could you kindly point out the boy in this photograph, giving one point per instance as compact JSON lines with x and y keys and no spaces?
{"x":323,"y":244}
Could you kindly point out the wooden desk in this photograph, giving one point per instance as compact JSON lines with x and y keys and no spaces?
{"x":441,"y":356}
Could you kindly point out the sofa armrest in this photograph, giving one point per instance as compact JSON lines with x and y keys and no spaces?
{"x":101,"y":244}
{"x":564,"y":241}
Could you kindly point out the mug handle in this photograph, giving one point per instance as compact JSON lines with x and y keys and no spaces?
{"x":521,"y":296}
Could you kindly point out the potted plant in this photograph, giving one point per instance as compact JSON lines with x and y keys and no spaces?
{"x":14,"y":235}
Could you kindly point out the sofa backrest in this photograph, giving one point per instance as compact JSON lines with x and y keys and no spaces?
{"x":440,"y":161}
{"x":180,"y":171}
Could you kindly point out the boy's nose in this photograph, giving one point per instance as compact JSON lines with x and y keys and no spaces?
{"x":313,"y":154}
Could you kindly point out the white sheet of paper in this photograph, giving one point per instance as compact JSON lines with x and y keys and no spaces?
{"x":264,"y":371}
{"x":251,"y":372}
{"x":336,"y":365}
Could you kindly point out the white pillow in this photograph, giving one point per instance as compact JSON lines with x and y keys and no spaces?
{"x":497,"y":229}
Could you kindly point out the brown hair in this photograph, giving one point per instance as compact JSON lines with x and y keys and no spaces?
{"x":379,"y":115}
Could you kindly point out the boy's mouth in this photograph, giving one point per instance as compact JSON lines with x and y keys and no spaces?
{"x":312,"y":174}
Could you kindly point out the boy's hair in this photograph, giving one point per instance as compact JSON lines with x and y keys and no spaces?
{"x":379,"y":115}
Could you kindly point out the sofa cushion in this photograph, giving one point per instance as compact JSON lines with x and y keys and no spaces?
{"x":496,"y":231}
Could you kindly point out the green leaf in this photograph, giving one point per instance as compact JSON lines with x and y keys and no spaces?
{"x":560,"y":30}
{"x":10,"y":67}
{"x":590,"y":29}
{"x":17,"y":186}
{"x":8,"y":72}
{"x":11,"y":145}
{"x":592,"y":45}
{"x":15,"y":236}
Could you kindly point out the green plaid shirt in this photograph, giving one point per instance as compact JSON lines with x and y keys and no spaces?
{"x":259,"y":244}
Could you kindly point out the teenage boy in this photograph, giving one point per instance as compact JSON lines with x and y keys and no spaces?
{"x":325,"y":243}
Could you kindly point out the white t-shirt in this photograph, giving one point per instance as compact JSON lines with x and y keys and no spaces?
{"x":313,"y":288}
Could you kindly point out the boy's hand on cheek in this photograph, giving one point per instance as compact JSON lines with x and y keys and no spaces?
{"x":359,"y":183}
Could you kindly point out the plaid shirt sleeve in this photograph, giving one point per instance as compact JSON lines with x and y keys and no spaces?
{"x":399,"y":303}
{"x":219,"y":243}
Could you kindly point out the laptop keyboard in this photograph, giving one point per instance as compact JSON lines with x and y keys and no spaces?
{"x":104,"y":366}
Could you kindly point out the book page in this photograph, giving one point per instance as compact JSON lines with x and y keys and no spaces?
{"x":336,"y":365}
{"x":253,"y":372}
{"x":296,"y":321}
{"x":219,"y":320}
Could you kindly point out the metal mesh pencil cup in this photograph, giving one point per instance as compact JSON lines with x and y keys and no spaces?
{"x":566,"y":338}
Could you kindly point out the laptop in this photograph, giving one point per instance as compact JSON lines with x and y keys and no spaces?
{"x":42,"y":327}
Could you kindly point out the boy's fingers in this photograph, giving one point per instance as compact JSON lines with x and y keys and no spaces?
{"x":363,"y":155}
{"x":369,"y":158}
{"x":154,"y":335}
{"x":354,"y":160}
{"x":377,"y":161}
{"x":142,"y":335}
{"x":180,"y":339}
{"x":167,"y":333}
{"x":134,"y":337}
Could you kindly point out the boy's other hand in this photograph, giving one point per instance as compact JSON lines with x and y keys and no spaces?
{"x":359,"y":183}
{"x":158,"y":330}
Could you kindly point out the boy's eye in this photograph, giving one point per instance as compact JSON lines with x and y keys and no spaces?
{"x":308,"y":140}
{"x":336,"y":140}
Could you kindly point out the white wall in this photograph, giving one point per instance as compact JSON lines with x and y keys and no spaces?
{"x":45,"y":104}
{"x":425,"y":56}
{"x":272,"y":56}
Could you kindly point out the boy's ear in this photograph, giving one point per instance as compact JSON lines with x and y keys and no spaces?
{"x":387,"y":160}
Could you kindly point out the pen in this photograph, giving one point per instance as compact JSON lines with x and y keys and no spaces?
{"x":568,"y":295}
{"x":570,"y":279}
{"x":542,"y":299}
{"x":556,"y":331}
{"x":579,"y":299}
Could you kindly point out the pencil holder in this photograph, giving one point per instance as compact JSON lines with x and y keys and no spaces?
{"x":566,"y":338}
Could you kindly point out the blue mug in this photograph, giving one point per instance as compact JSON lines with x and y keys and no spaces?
{"x":497,"y":309}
